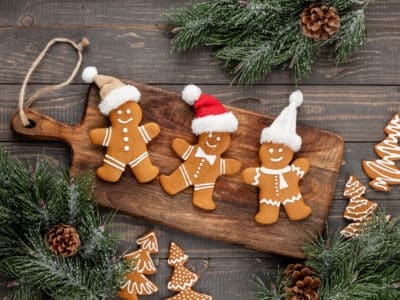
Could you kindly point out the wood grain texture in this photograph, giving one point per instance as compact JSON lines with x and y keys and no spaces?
{"x":357,"y":113}
{"x":145,"y":55}
{"x":232,"y":221}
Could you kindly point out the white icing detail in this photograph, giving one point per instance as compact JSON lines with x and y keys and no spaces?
{"x":119,"y":112}
{"x":292,"y":200}
{"x":256,"y":178}
{"x":218,"y":138}
{"x":203,"y":186}
{"x":270,"y":202}
{"x":113,"y":165}
{"x":282,"y":182}
{"x":126,"y":148}
{"x":201,"y":154}
{"x":185,"y":175}
{"x":107,"y":137}
{"x":146,"y":288}
{"x":195,"y":175}
{"x":115,"y":160}
{"x":128,"y":111}
{"x":144,"y":134}
{"x":276,"y":159}
{"x":299,"y":172}
{"x":138,"y":159}
{"x":125,"y":130}
{"x":280,"y":150}
{"x":126,"y":139}
{"x":210,"y":145}
{"x":222,"y":167}
{"x":187,"y":153}
{"x":124,"y":122}
{"x":178,"y":260}
{"x":271,"y":150}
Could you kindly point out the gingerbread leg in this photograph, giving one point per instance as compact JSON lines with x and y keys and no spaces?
{"x":297,"y":210}
{"x":176,"y":182}
{"x":203,"y":196}
{"x":109,"y":173}
{"x":268,"y":214}
{"x":143,"y":169}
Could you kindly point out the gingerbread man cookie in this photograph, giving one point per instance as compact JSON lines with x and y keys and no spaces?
{"x":277,"y":179}
{"x":125,"y":139}
{"x":359,"y":210}
{"x":203,"y":163}
{"x":182,"y":279}
{"x":384,"y":172}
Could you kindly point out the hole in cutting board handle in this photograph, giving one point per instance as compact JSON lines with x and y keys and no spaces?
{"x":32,"y":124}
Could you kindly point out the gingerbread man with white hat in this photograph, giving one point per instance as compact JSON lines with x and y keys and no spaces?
{"x":277,"y":179}
{"x":203,"y":163}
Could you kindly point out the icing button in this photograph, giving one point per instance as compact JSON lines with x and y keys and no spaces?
{"x":126,"y":139}
{"x":195,"y":176}
{"x":126,"y":148}
{"x":125,"y":130}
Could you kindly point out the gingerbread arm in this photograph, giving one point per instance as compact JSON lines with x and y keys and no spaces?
{"x":251,"y":176}
{"x":149,"y":131}
{"x":182,"y":148}
{"x":100,"y":136}
{"x":300,"y":167}
{"x":229,"y":166}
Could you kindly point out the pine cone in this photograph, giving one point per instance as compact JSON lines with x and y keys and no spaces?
{"x":304,"y":283}
{"x":320,"y":23}
{"x":63,"y":240}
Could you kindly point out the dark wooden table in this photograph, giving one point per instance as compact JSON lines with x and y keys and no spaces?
{"x":128,"y":40}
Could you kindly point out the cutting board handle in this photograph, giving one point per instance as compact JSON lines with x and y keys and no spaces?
{"x":42,"y":127}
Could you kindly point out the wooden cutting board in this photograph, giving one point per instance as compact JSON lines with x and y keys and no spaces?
{"x":237,"y":203}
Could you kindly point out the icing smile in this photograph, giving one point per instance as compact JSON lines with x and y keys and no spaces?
{"x":125,"y":122}
{"x":276,"y":159}
{"x":210,"y":145}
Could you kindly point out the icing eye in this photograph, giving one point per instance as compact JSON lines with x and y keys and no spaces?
{"x":210,"y":134}
{"x":271,"y":150}
{"x":280,"y":150}
{"x":128,"y":111}
{"x":119,"y":112}
{"x":218,"y":138}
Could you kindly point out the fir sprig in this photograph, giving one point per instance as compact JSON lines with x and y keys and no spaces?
{"x":32,"y":200}
{"x":255,"y":37}
{"x":365,"y":267}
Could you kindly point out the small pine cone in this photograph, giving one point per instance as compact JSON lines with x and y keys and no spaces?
{"x":63,"y":240}
{"x":319,"y":23}
{"x":304,"y":284}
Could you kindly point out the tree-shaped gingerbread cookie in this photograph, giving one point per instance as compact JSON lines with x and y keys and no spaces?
{"x":278,"y":178}
{"x":203,"y":163}
{"x":138,"y":283}
{"x":182,"y":279}
{"x":125,"y":139}
{"x":359,"y":210}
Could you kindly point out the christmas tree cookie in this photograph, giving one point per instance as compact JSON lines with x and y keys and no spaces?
{"x":138,"y":283}
{"x":182,"y":279}
{"x":125,"y":139}
{"x":203,"y":163}
{"x":278,"y":178}
{"x":359,"y":210}
{"x":384,"y":172}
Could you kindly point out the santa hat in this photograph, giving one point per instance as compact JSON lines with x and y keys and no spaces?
{"x":113,"y":92}
{"x":210,"y":115}
{"x":283,"y":129}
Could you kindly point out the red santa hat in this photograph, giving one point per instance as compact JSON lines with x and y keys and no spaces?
{"x":210,"y":114}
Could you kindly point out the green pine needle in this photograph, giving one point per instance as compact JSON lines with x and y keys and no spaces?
{"x":254,"y":37}
{"x":34,"y":199}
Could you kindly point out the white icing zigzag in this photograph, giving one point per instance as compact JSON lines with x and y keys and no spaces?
{"x":257,"y":177}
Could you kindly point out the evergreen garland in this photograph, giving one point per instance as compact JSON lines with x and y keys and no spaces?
{"x":32,"y":200}
{"x":254,"y":37}
{"x":365,"y":267}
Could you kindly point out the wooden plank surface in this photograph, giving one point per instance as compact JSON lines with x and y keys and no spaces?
{"x":355,"y":100}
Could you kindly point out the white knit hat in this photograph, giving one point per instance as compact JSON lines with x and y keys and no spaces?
{"x":283,"y":129}
{"x":113,"y":92}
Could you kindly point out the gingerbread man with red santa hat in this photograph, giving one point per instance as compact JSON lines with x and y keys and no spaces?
{"x":203,"y":163}
{"x":277,"y":179}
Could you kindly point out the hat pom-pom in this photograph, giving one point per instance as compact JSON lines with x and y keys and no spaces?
{"x":191,"y":93}
{"x":296,"y":97}
{"x":88,"y":74}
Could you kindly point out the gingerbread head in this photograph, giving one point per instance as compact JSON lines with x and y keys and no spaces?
{"x":125,"y":139}
{"x":203,"y":164}
{"x":277,"y":179}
